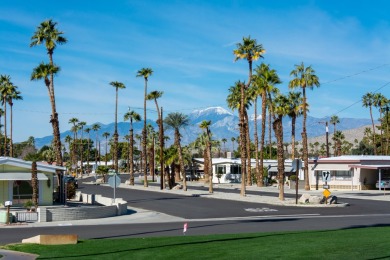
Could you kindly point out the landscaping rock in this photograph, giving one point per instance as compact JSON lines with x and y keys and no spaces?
{"x":315,"y":199}
{"x":305,"y":198}
{"x":177,"y":187}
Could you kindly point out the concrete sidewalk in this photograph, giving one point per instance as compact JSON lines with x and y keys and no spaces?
{"x":14,"y":255}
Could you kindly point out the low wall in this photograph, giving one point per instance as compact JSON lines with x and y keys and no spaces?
{"x":109,"y":209}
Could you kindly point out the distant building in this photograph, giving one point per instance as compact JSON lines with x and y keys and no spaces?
{"x":349,"y":172}
{"x":229,"y":169}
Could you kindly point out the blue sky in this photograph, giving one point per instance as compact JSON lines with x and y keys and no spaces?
{"x":189,"y":46}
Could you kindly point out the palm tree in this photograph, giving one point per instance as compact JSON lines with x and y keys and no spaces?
{"x":176,"y":121}
{"x":295,"y":110}
{"x":304,"y":77}
{"x":224,"y":140}
{"x":145,"y":73}
{"x":6,"y":87}
{"x":106,"y":135}
{"x":334,"y":120}
{"x":233,"y":139}
{"x":380,"y":102}
{"x":75,"y":128}
{"x":154,"y":95}
{"x":250,"y":50}
{"x":88,"y":130}
{"x":131,"y":116}
{"x":265,"y":81}
{"x":368,"y":101}
{"x":48,"y":34}
{"x":15,"y":95}
{"x":96,"y":128}
{"x":280,"y":108}
{"x":117,"y":85}
{"x":205,"y":125}
{"x":81,"y":145}
{"x":234,"y":102}
{"x":44,"y":71}
{"x":338,"y":137}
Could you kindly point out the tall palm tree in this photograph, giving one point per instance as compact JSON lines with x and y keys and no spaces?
{"x":88,"y":130}
{"x":368,"y":101}
{"x":48,"y":34}
{"x":154,"y":95}
{"x":132,"y":116}
{"x":81,"y":145}
{"x":224,"y":140}
{"x":265,"y":83}
{"x":233,"y":139}
{"x":176,"y":121}
{"x":251,"y":51}
{"x":304,"y":77}
{"x":106,"y":135}
{"x":44,"y":71}
{"x":380,"y":102}
{"x":334,"y":120}
{"x":205,"y":125}
{"x":6,"y":88}
{"x":74,"y":121}
{"x":234,"y":101}
{"x":145,"y":73}
{"x":117,"y":85}
{"x":295,"y":110}
{"x":280,"y":108}
{"x":15,"y":95}
{"x":96,"y":128}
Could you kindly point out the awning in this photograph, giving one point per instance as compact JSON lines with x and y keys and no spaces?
{"x":20,"y":176}
{"x":371,"y":167}
{"x":330,"y":167}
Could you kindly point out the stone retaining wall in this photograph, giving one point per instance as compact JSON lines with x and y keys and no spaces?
{"x":109,"y":209}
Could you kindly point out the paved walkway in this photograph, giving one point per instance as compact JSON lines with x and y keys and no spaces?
{"x":14,"y":255}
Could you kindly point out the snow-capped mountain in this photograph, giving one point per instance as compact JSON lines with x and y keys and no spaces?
{"x":224,"y":124}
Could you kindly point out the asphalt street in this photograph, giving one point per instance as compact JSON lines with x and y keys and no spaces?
{"x":212,"y":216}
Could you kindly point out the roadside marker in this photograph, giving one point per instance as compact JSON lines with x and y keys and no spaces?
{"x":185,"y":228}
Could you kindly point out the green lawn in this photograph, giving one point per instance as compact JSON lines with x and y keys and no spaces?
{"x":357,"y":243}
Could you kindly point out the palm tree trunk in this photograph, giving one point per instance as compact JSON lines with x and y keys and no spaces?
{"x":373,"y":130}
{"x":257,"y":167}
{"x":11,"y":145}
{"x":242,"y":140}
{"x":5,"y":127}
{"x":210,"y":163}
{"x":293,"y":121}
{"x":144,"y":137}
{"x":278,"y":129}
{"x":248,"y":151}
{"x":262,"y":137}
{"x":269,"y":136}
{"x":304,"y":143}
{"x":131,"y":155}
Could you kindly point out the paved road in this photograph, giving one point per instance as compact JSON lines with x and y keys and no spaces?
{"x":214,"y":216}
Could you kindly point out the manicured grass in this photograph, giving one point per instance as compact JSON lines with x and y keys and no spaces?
{"x":356,"y":243}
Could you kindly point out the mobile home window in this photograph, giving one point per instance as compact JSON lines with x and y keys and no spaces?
{"x":235,"y":169}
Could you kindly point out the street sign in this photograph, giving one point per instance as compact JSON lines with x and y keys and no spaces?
{"x":326,"y":176}
{"x":114,"y":181}
{"x":326,"y":193}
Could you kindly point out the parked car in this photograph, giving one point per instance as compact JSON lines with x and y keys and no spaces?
{"x":385,"y":184}
{"x":71,"y":179}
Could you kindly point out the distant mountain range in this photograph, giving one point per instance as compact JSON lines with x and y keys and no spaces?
{"x":224,"y":125}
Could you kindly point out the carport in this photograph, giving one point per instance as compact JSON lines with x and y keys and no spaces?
{"x":380,"y":169}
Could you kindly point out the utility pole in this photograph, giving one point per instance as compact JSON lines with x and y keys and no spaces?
{"x":327,"y":136}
